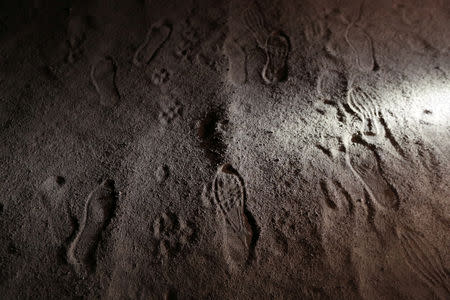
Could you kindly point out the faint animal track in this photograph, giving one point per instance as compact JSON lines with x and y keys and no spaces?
{"x":189,"y":42}
{"x":159,"y":76}
{"x":332,"y":85}
{"x":424,"y":259}
{"x":51,"y":196}
{"x":240,"y":230}
{"x":277,"y":50}
{"x":365,"y":165}
{"x":211,"y":130}
{"x":103,"y":77}
{"x":155,"y":38}
{"x":162,"y":173}
{"x":213,"y":54}
{"x":286,"y":223}
{"x":256,"y":24}
{"x":169,"y":114}
{"x":98,"y":211}
{"x":171,"y":235}
{"x":237,"y":72}
{"x":184,"y":50}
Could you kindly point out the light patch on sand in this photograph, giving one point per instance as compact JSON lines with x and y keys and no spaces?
{"x":431,"y":104}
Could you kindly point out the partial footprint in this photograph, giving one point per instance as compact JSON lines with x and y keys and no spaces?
{"x":365,"y":165}
{"x":256,"y":24}
{"x":240,"y":230}
{"x":362,"y":103}
{"x":99,"y":208}
{"x":277,"y":50}
{"x":52,"y":195}
{"x":156,"y":36}
{"x":425,"y":261}
{"x":237,"y":72}
{"x":211,"y":133}
{"x":332,"y":85}
{"x":103,"y":77}
{"x":315,"y":30}
{"x":337,"y":226}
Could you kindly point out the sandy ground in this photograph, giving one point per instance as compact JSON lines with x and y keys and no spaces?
{"x":201,"y":149}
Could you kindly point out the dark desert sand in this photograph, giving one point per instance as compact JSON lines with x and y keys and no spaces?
{"x":234,"y":149}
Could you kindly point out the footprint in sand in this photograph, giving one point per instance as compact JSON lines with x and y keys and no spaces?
{"x":425,"y":261}
{"x":156,"y":36}
{"x":103,"y":77}
{"x":237,"y":72}
{"x":52,"y":195}
{"x":339,"y":222}
{"x":239,"y":229}
{"x":365,"y":165}
{"x":98,"y":210}
{"x":361,"y":45}
{"x":277,"y":50}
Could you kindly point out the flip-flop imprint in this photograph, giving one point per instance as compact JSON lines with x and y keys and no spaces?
{"x":156,"y":36}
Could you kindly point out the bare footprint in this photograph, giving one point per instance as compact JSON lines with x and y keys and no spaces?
{"x":103,"y":77}
{"x":240,"y":230}
{"x":156,"y":36}
{"x":277,"y":50}
{"x":365,"y":165}
{"x":52,"y":197}
{"x":98,"y":210}
{"x":237,"y":72}
{"x":425,"y":261}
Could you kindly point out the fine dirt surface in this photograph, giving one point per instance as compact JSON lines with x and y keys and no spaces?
{"x":267,"y":149}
